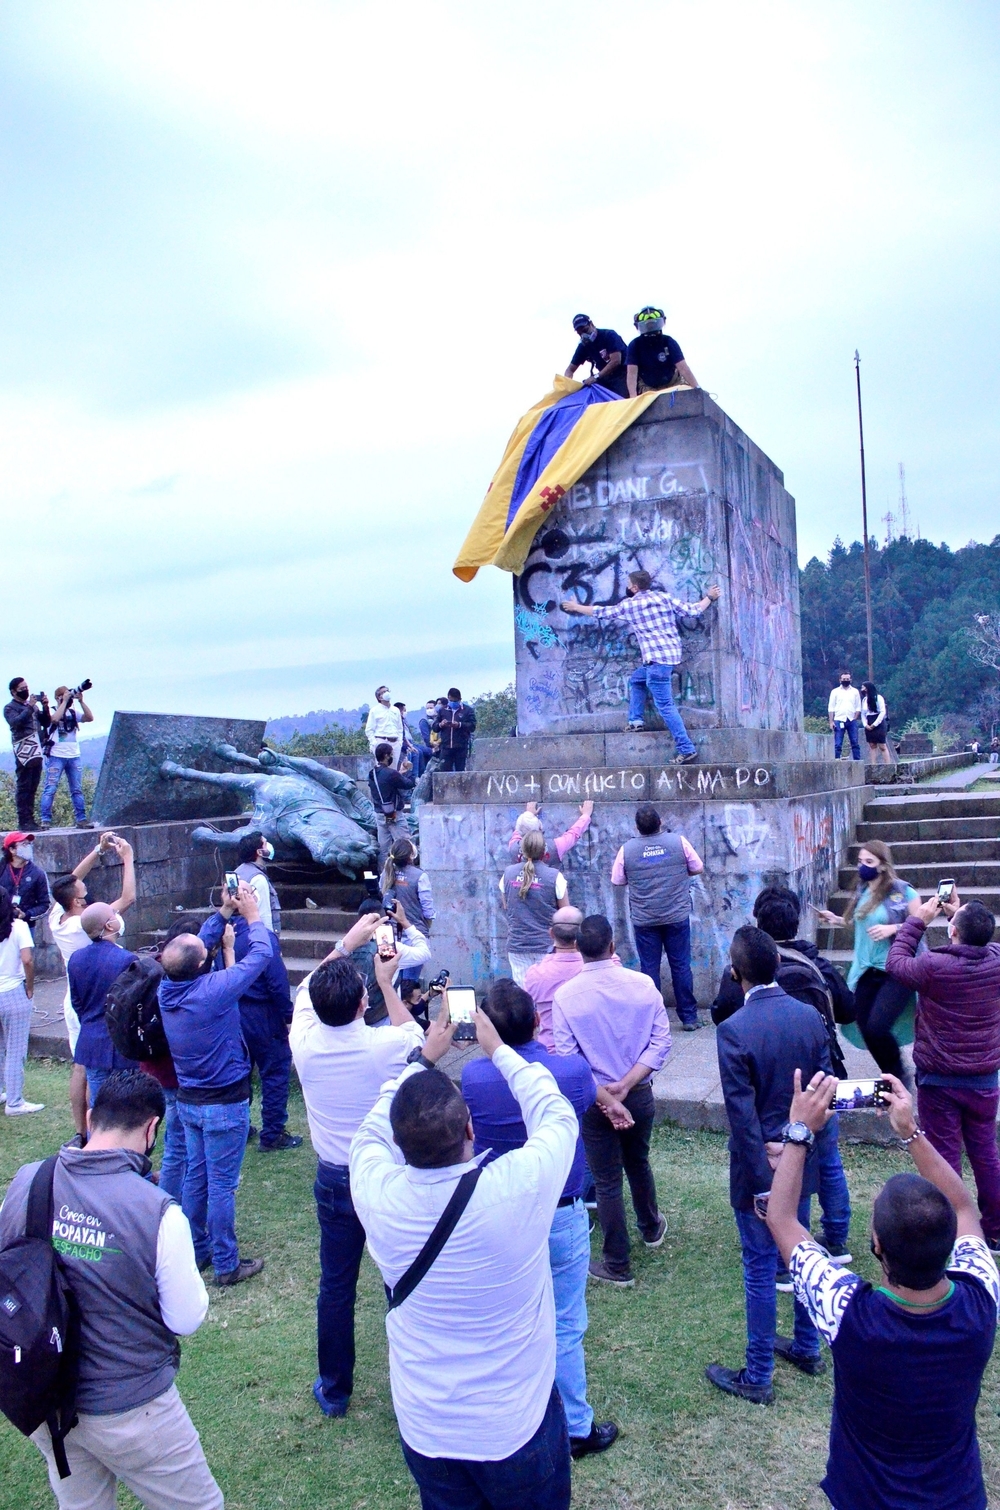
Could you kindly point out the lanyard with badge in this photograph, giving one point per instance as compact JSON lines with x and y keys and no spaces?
{"x":15,"y":900}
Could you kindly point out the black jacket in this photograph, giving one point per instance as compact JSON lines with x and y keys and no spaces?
{"x":729,"y":997}
{"x":760,"y":1047}
{"x":456,"y":726}
{"x":30,"y":884}
{"x":25,"y":720}
{"x":389,"y":786}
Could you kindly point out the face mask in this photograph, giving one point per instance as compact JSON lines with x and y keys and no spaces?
{"x":383,"y":698}
{"x":268,"y":850}
{"x":24,"y":851}
{"x":845,"y":681}
{"x":868,"y":872}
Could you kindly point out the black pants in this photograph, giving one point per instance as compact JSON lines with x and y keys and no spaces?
{"x":880,"y":1001}
{"x":454,"y":760}
{"x":25,"y":788}
{"x":609,"y":1153}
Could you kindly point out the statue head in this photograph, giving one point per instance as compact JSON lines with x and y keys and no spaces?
{"x":267,"y":758}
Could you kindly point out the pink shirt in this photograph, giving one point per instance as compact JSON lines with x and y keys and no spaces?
{"x":563,"y":843}
{"x":691,"y":855}
{"x":612,"y":1016}
{"x":541,"y":983}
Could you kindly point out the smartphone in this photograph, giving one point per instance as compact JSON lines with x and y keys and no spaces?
{"x":945,"y":889}
{"x":854,"y":1094}
{"x":385,"y":941}
{"x":232,"y":882}
{"x":461,"y":1008}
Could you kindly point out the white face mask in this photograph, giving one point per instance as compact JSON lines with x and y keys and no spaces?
{"x":24,"y":851}
{"x":268,"y":850}
{"x":121,"y":925}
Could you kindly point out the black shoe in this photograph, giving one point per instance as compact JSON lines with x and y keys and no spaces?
{"x":600,"y":1439}
{"x":84,"y":823}
{"x":251,"y":1133}
{"x":691,"y":759}
{"x":733,"y":1381}
{"x":661,"y":1232}
{"x":287,"y":1140}
{"x":206,"y":1263}
{"x":807,"y":1363}
{"x":245,"y":1269}
{"x":691,"y":1027}
{"x":599,"y":1270}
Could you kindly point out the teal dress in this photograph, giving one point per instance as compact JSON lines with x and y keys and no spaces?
{"x":871,"y":954}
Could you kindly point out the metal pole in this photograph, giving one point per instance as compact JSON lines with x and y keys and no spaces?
{"x":864,"y":525}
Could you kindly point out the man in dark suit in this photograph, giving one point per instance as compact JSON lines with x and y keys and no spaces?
{"x":760,"y":1047}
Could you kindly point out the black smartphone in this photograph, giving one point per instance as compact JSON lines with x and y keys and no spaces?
{"x":232,"y":882}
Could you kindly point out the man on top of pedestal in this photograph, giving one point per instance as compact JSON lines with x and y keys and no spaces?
{"x":654,"y":360}
{"x":651,"y":615}
{"x":605,"y":351}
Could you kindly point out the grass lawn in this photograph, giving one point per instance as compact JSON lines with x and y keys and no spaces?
{"x":247,"y":1374}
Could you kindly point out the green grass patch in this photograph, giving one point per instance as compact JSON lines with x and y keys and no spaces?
{"x":247,"y":1374}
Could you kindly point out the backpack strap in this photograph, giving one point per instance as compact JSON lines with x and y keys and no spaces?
{"x":795,"y":957}
{"x":445,"y":1226}
{"x":38,"y":1222}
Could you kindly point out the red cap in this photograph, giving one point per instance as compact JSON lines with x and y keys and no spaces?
{"x":16,"y":838}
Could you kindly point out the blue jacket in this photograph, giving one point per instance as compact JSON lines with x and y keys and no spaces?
{"x":760,"y":1047}
{"x":496,"y":1117}
{"x":31,"y":885}
{"x":92,"y":971}
{"x":201,"y":1017}
{"x":271,"y":991}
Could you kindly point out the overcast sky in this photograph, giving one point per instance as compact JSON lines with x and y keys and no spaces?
{"x":277,"y":281}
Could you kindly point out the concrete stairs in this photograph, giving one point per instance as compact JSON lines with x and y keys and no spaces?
{"x":931,"y":836}
{"x":307,"y":936}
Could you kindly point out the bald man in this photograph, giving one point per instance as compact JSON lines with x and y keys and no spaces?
{"x":543,"y":980}
{"x":91,"y":971}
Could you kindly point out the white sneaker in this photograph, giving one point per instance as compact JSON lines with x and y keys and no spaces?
{"x":3,"y":1097}
{"x":22,"y":1108}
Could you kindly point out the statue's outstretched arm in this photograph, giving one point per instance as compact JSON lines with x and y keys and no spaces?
{"x":230,"y":752}
{"x":170,"y":768}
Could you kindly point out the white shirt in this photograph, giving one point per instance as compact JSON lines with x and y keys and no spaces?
{"x":69,"y":935}
{"x":877,"y":718}
{"x":67,"y":746}
{"x":11,"y":963}
{"x":844,"y":704}
{"x":342,"y":1070}
{"x":472,"y":1352}
{"x":258,"y":885}
{"x":383,"y":723}
{"x":180,"y":1289}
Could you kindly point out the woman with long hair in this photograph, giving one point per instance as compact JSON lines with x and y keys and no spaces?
{"x":404,"y":882}
{"x":531,"y":892}
{"x":876,"y":723}
{"x":17,"y":985}
{"x":879,"y":905}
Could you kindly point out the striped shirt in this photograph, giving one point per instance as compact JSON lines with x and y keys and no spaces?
{"x":652,"y":618}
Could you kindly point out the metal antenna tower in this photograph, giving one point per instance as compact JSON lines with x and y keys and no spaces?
{"x":904,"y":507}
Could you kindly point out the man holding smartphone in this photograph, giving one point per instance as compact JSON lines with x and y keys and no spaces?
{"x":956,"y":1045}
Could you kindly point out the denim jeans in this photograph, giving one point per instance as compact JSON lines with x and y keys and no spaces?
{"x":675,"y":938}
{"x":834,"y":1196}
{"x":73,"y":769}
{"x":535,"y":1477}
{"x":216,"y":1138}
{"x":852,"y":733}
{"x":266,"y":1038}
{"x":657,"y":680}
{"x":609,"y":1153}
{"x":95,"y":1079}
{"x":760,"y":1268}
{"x":341,"y":1244}
{"x":173,"y":1164}
{"x":569,"y":1260}
{"x":951,"y":1115}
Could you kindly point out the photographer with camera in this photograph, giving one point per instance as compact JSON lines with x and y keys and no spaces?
{"x":342,"y":1064}
{"x":63,"y":751}
{"x":27,"y":713}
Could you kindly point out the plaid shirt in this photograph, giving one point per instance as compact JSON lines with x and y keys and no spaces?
{"x":652,"y":618}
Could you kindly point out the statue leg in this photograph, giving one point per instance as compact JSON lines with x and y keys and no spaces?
{"x":176,"y":772}
{"x":225,"y":842}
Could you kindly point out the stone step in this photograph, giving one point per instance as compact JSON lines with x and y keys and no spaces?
{"x":344,"y":895}
{"x":297,"y":944}
{"x":911,"y":809}
{"x":936,"y":851}
{"x":317,"y":920}
{"x":908,"y":831}
{"x":982,"y":874}
{"x":298,"y":968}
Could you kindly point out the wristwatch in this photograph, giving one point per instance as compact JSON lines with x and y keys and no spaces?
{"x":798,"y":1132}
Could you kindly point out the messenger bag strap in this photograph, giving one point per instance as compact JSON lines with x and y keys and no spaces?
{"x":446,"y":1224}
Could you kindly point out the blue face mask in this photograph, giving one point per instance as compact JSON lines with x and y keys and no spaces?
{"x":868,"y":872}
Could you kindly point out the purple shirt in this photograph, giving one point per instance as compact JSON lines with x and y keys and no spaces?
{"x":541,"y":983}
{"x":612,"y":1016}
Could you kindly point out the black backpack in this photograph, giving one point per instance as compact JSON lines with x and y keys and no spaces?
{"x":132,"y":1010}
{"x":802,"y":978}
{"x":39,"y":1327}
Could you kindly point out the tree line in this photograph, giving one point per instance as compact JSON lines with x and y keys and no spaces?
{"x":926,"y":601}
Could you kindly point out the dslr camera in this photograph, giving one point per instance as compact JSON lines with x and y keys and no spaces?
{"x":84,"y":686}
{"x":438,"y":984}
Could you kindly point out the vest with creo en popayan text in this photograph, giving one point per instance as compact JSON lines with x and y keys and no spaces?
{"x":659,"y":885}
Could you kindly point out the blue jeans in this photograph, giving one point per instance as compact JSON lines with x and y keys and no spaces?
{"x":95,"y":1079}
{"x":760,"y":1267}
{"x":852,"y":732}
{"x":535,"y":1477}
{"x":341,"y":1244}
{"x":266,"y":1038}
{"x":657,"y":681}
{"x":675,"y":938}
{"x":173,"y":1164}
{"x":569,"y":1260}
{"x":834,"y":1197}
{"x":216,"y":1137}
{"x":53,"y":771}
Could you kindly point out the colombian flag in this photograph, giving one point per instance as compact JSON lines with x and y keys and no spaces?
{"x":551,"y":448}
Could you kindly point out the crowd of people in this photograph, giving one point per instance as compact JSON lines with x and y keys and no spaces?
{"x":445,"y":731}
{"x":447,"y":1184}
